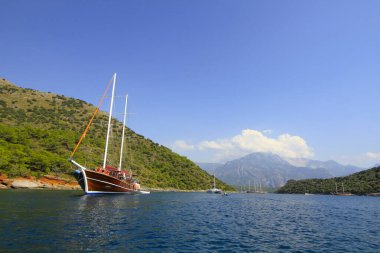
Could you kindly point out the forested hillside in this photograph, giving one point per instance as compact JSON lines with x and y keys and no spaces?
{"x":38,"y":131}
{"x":360,"y":183}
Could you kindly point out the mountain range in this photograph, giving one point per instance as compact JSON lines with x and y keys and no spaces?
{"x":271,"y":170}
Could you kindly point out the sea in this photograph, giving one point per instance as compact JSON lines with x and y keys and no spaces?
{"x":69,"y":221}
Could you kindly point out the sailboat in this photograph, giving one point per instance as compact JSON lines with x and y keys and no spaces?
{"x":249,"y":188}
{"x":343,"y":193}
{"x":106,"y":179}
{"x":307,"y":193}
{"x":214,"y":189}
{"x":260,"y":190}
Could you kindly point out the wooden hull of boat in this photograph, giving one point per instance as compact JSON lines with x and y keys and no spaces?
{"x":95,"y":182}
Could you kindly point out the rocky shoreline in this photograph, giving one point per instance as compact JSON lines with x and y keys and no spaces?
{"x":45,"y":182}
{"x":56,"y":183}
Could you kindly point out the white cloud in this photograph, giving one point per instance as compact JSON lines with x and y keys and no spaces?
{"x":182,"y":145}
{"x":372,"y":155}
{"x":218,"y":145}
{"x":364,"y":160}
{"x":267,"y":131}
{"x":250,"y":141}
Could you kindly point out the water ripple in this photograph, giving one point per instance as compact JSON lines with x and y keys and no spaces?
{"x":44,"y":221}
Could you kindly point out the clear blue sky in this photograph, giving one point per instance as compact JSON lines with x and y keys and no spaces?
{"x":200,"y":70}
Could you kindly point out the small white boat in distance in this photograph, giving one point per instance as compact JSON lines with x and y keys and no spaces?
{"x":214,"y":189}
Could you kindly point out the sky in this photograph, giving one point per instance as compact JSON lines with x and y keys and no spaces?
{"x":213,"y":80}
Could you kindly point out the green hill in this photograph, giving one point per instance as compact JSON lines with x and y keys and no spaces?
{"x":360,"y":183}
{"x":38,"y":131}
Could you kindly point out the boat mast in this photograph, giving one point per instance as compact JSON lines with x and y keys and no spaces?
{"x":109,"y":121}
{"x":214,"y":182}
{"x":122,"y":137}
{"x":90,"y":122}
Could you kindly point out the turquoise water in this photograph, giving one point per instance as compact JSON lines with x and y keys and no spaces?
{"x":68,"y":221}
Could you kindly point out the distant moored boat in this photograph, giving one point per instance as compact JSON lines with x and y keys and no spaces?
{"x":343,"y":193}
{"x":214,"y":189}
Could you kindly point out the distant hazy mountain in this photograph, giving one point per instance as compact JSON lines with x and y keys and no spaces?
{"x":265,"y":168}
{"x":273,"y":171}
{"x":334,"y":168}
{"x":209,"y":167}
